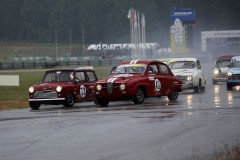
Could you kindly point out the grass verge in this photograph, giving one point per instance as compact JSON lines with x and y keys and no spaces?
{"x":227,"y":152}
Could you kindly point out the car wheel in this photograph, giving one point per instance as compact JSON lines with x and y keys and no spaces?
{"x":198,"y":88}
{"x":229,"y":86}
{"x":69,"y":101}
{"x":34,"y":105}
{"x":139,"y":96}
{"x":173,"y":96}
{"x":203,"y":89}
{"x":101,"y":102}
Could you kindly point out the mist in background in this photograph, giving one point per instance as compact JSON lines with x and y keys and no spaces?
{"x":105,"y":21}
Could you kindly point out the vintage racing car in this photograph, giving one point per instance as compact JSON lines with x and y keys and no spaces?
{"x":233,"y":73}
{"x":136,"y":80}
{"x":219,"y":72}
{"x":63,"y":86}
{"x":189,"y":71}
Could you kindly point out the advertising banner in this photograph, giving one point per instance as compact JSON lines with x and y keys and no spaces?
{"x":180,"y":29}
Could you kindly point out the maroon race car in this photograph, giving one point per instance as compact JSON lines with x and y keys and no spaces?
{"x":136,"y":80}
{"x":63,"y":86}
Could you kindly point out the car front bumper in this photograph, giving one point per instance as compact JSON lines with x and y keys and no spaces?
{"x":41,"y":100}
{"x":219,"y":77}
{"x":116,"y":95}
{"x":187,"y":84}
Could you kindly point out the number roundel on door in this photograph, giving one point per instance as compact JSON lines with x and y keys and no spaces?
{"x":157,"y":85}
{"x":83,"y":91}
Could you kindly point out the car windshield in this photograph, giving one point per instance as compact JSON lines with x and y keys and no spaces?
{"x":182,"y":65}
{"x":130,"y":68}
{"x":222,"y":63}
{"x":235,"y":64}
{"x":58,"y":76}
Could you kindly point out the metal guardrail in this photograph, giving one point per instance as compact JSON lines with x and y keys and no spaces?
{"x":37,"y":64}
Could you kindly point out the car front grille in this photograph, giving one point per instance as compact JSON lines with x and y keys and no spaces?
{"x":236,"y":76}
{"x":46,"y":94}
{"x":222,"y":75}
{"x":182,"y":78}
{"x":110,"y":87}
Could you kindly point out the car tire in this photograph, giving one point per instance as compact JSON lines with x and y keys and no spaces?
{"x":229,"y":86}
{"x":34,"y":105}
{"x":101,"y":102}
{"x":138,"y":98}
{"x":173,"y":96}
{"x":69,"y":101}
{"x":198,"y":88}
{"x":203,"y":89}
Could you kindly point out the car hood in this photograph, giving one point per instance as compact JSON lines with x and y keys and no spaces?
{"x":222,"y":69}
{"x":119,"y":78}
{"x":183,"y":72}
{"x":234,"y":70}
{"x":51,"y":85}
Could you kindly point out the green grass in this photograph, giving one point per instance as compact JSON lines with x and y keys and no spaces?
{"x":26,"y":79}
{"x":8,"y":50}
{"x":226,"y":152}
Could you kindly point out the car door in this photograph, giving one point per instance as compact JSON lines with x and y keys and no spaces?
{"x":85,"y":85}
{"x":156,"y":87}
{"x":90,"y":82}
{"x":166,"y":78}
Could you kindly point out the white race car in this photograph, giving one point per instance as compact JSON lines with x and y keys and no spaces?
{"x":233,"y":73}
{"x":189,"y":71}
{"x":219,"y":72}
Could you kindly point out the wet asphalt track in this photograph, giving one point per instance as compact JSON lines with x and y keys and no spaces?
{"x":196,"y":124}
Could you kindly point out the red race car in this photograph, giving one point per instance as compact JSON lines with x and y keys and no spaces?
{"x":63,"y":86}
{"x":136,"y":80}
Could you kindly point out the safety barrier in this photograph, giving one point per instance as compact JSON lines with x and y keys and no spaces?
{"x":47,"y":64}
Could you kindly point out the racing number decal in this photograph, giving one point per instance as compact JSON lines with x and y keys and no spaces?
{"x":82,"y":91}
{"x":157,"y":85}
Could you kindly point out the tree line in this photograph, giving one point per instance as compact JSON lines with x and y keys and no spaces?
{"x":94,"y":21}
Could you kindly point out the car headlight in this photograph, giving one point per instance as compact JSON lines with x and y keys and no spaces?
{"x":99,"y":87}
{"x":229,"y":74}
{"x":59,"y":88}
{"x":31,"y":89}
{"x":189,"y":78}
{"x":216,"y":71}
{"x":122,"y":87}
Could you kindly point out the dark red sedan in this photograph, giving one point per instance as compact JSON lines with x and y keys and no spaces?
{"x":136,"y":80}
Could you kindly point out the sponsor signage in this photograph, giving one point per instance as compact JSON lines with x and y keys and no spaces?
{"x":182,"y":14}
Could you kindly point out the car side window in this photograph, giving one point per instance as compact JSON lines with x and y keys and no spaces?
{"x":198,"y":65}
{"x":163,"y":69}
{"x":80,"y":76}
{"x":91,"y":76}
{"x":153,"y":68}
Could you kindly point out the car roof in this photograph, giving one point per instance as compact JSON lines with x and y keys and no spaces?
{"x":183,"y":59}
{"x":235,"y":58}
{"x":141,"y":61}
{"x":72,"y":69}
{"x":227,"y":56}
